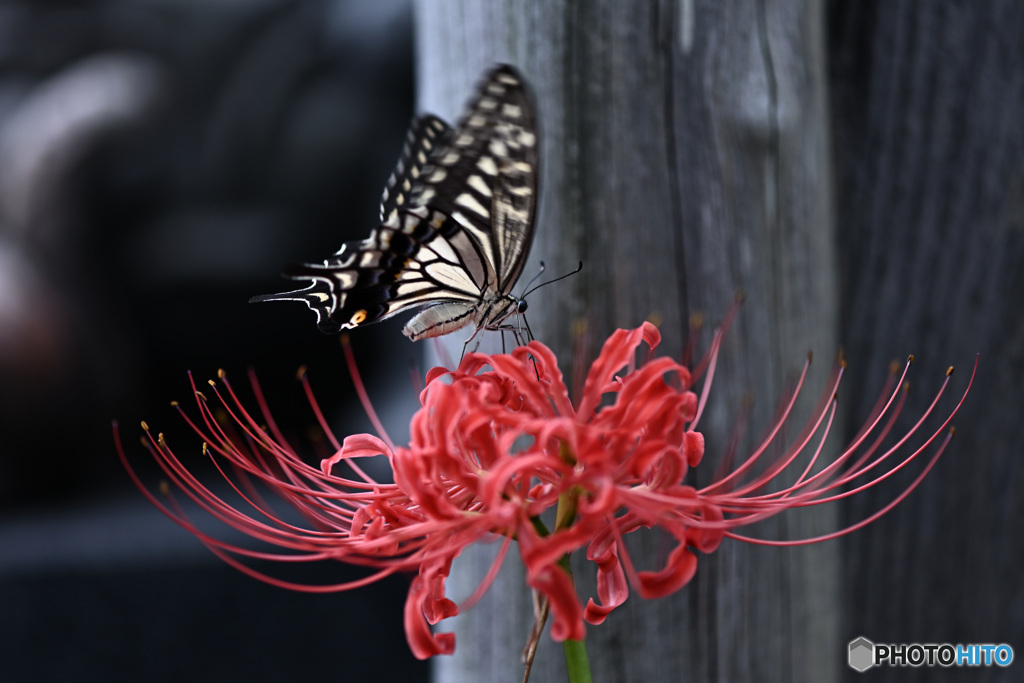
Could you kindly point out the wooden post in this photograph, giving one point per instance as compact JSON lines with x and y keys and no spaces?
{"x":928,"y":107}
{"x":685,"y":151}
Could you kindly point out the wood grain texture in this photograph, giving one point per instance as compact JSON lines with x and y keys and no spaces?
{"x":685,"y":152}
{"x":928,"y":102}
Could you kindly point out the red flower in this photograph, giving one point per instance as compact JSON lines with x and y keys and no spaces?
{"x":495,"y":446}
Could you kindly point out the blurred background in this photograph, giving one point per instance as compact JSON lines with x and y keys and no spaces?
{"x":160,"y":162}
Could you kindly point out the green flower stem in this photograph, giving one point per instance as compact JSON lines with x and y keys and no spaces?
{"x":576,"y":661}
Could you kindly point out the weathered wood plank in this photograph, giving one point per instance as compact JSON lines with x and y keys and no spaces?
{"x":686,"y":155}
{"x":928,"y":100}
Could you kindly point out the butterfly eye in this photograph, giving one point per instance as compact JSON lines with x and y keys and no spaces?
{"x":521,"y":306}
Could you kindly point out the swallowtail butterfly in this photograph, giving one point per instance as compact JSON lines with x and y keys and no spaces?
{"x":456,"y":223}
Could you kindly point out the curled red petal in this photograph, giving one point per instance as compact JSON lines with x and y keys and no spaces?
{"x":612,"y":587}
{"x":693,"y":447}
{"x":680,"y":568}
{"x":356,"y":446}
{"x":595,"y":614}
{"x":707,"y":537}
{"x":423,"y":643}
{"x":434,"y":373}
{"x":557,"y":586}
{"x":616,"y":353}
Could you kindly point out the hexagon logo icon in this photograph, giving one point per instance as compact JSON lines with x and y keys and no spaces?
{"x":861,"y":654}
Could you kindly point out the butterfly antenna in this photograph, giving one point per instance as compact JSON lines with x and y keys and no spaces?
{"x":544,"y":284}
{"x":534,"y":278}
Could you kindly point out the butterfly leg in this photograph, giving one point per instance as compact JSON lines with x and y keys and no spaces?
{"x":517,"y":334}
{"x":521,"y":332}
{"x":529,"y":332}
{"x":466,"y":345}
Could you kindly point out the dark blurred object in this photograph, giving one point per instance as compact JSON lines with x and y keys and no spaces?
{"x":160,"y":163}
{"x":49,"y":334}
{"x":115,"y":592}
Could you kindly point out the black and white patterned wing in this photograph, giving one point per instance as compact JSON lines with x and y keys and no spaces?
{"x":455,"y":230}
{"x":486,"y":178}
{"x":426,"y":134}
{"x":403,"y":264}
{"x":352,"y":283}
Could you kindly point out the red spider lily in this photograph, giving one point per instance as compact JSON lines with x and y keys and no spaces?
{"x":498,"y":444}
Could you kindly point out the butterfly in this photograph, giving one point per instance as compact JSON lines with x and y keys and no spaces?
{"x":456,"y":224}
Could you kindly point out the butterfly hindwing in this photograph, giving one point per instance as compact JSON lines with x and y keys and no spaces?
{"x":457,"y":220}
{"x":426,"y":134}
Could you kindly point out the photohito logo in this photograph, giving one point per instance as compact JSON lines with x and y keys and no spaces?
{"x":863,"y":654}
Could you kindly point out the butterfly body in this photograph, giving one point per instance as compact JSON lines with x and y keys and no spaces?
{"x":457,"y":220}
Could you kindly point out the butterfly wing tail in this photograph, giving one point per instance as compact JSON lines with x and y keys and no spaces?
{"x":318,"y":296}
{"x":342,"y":292}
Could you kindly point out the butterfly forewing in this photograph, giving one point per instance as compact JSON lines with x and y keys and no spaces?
{"x":486,"y":177}
{"x":457,"y":220}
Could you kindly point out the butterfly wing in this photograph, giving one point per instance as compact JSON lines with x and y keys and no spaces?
{"x":457,"y":220}
{"x":426,"y":133}
{"x":486,"y":177}
{"x":403,"y":264}
{"x":340,"y":285}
